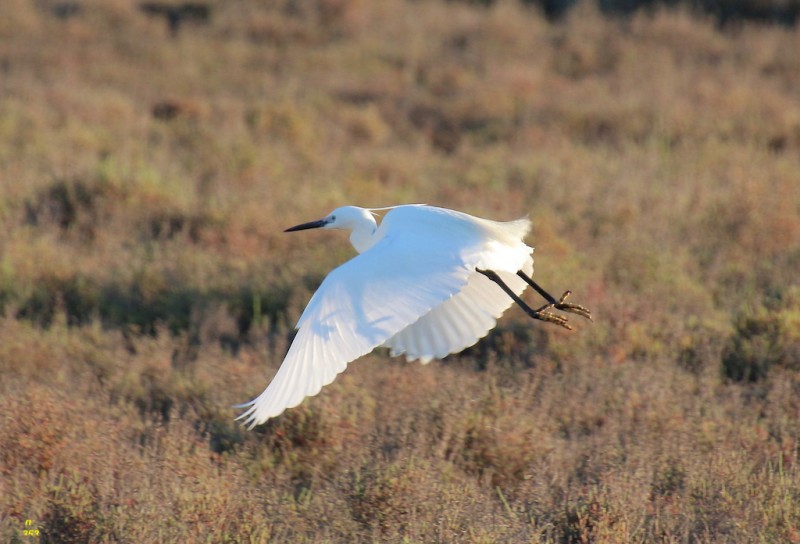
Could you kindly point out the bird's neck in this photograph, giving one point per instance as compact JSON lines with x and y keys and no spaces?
{"x":363,"y":235}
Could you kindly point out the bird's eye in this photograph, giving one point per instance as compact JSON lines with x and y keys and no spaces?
{"x":333,"y":218}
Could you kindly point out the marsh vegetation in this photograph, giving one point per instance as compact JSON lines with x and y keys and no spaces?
{"x":146,"y":285}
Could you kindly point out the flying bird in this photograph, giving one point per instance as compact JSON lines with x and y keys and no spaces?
{"x":427,"y":282}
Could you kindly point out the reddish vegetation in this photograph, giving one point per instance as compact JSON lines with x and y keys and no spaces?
{"x":146,"y":285}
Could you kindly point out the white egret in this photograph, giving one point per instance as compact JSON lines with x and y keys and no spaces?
{"x":427,"y":282}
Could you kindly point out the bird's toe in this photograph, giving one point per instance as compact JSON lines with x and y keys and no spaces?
{"x":571,"y":307}
{"x":553,"y":318}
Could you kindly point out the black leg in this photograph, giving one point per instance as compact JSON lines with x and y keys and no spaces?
{"x":540,"y":314}
{"x":557,"y":304}
{"x":547,"y":296}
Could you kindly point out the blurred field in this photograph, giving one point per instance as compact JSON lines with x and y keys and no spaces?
{"x":146,"y":286}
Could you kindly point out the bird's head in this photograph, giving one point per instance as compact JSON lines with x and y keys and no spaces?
{"x":346,"y":217}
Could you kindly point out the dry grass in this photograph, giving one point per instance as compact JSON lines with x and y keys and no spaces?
{"x":146,"y":286}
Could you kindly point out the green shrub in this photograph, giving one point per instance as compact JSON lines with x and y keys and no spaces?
{"x":767,"y":337}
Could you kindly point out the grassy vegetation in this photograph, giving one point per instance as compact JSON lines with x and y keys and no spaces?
{"x":146,"y":286}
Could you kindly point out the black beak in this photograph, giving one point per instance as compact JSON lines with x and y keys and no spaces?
{"x":309,"y":225}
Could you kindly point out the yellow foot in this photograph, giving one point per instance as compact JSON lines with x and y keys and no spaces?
{"x":572,"y":308}
{"x":544,"y":315}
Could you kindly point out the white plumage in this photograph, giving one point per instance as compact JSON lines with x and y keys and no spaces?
{"x":413,"y":288}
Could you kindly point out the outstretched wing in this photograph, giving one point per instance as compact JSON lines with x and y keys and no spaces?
{"x":363,"y":303}
{"x":468,"y":316}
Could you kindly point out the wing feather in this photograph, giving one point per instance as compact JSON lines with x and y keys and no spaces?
{"x":460,"y":321}
{"x":359,"y":306}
